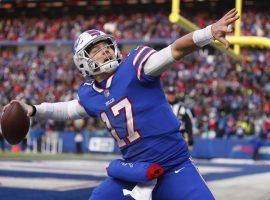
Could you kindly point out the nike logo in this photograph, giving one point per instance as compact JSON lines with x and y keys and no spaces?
{"x":177,"y":171}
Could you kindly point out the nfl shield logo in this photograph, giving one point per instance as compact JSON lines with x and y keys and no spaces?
{"x":106,"y":93}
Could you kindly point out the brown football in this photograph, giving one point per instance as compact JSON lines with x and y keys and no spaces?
{"x":15,"y":123}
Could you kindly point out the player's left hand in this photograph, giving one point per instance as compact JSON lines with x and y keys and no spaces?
{"x":222,"y":27}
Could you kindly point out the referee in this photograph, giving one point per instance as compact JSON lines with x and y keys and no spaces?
{"x":183,"y":113}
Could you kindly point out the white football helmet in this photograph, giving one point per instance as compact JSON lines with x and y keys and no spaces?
{"x":87,"y":65}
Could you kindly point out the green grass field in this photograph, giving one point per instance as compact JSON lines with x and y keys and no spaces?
{"x":25,"y":156}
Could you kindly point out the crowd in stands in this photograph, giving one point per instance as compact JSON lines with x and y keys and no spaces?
{"x":229,"y":99}
{"x":254,"y":22}
{"x":122,"y":26}
{"x":139,"y":25}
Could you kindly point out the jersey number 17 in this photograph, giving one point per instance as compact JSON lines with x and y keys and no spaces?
{"x":132,"y":134}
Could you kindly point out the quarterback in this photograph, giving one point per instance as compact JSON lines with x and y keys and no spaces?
{"x":127,"y":95}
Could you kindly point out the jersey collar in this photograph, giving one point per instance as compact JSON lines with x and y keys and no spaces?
{"x":108,"y":84}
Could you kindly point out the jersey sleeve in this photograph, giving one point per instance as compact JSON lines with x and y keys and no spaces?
{"x":139,"y":57}
{"x":82,"y":97}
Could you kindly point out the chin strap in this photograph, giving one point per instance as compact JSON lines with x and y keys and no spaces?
{"x":111,"y":66}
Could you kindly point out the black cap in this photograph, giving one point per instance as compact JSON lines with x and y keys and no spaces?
{"x":171,"y":90}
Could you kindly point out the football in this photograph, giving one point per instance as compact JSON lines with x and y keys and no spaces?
{"x":14,"y":123}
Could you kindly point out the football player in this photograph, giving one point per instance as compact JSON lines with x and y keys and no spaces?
{"x":127,"y":95}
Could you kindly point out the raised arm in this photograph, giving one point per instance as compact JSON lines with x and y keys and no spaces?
{"x":162,"y":60}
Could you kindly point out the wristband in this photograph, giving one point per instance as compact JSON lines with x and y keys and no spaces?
{"x":203,"y":37}
{"x":34,"y":111}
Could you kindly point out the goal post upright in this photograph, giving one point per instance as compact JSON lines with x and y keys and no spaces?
{"x":237,"y":40}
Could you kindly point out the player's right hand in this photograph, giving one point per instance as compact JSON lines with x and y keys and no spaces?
{"x":28,"y":109}
{"x":222,"y":27}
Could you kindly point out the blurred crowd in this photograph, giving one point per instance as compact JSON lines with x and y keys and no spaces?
{"x":40,"y":76}
{"x":123,"y":26}
{"x":229,"y":99}
{"x":254,"y":22}
{"x":138,"y":25}
{"x":37,"y":76}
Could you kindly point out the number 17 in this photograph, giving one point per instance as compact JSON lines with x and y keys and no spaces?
{"x":132,"y":134}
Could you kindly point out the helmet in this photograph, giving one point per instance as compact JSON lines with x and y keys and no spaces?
{"x":87,"y":65}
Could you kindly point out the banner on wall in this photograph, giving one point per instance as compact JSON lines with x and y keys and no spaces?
{"x":265,"y":150}
{"x":101,"y":144}
{"x":232,"y":148}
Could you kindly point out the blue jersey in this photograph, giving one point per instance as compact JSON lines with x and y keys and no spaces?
{"x":136,"y":112}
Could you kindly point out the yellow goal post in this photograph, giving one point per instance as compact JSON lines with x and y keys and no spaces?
{"x":237,"y":40}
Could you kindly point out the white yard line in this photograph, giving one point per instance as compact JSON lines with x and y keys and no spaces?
{"x":212,"y":169}
{"x":249,"y":187}
{"x":46,"y":183}
{"x":239,"y":161}
{"x":95,"y":168}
